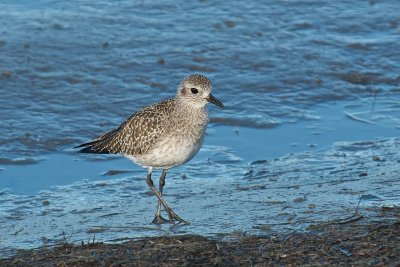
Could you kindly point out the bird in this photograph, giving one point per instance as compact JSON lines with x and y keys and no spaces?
{"x":161,"y":136}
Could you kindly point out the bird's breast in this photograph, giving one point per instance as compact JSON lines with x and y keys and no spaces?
{"x":175,"y":147}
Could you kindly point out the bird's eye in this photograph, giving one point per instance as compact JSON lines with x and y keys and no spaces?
{"x":194,"y":90}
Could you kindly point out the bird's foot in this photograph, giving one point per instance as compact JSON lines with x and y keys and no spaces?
{"x":158,"y":219}
{"x":174,"y":217}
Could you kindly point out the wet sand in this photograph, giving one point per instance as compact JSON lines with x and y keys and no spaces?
{"x":311,"y":128}
{"x":359,"y":241}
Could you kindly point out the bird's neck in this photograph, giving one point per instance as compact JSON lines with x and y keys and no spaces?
{"x":192,"y":111}
{"x":189,"y":106}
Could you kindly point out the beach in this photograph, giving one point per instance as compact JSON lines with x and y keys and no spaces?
{"x":309,"y":135}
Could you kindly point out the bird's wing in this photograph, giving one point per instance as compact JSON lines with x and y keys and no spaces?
{"x":137,"y":134}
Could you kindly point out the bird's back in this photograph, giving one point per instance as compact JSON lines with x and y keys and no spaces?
{"x":137,"y":134}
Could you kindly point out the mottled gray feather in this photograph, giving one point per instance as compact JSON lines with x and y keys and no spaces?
{"x":137,"y":134}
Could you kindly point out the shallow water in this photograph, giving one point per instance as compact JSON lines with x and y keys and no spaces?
{"x":311,"y":121}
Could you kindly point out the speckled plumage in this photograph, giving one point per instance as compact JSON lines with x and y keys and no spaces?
{"x":163,"y":135}
{"x":137,"y":134}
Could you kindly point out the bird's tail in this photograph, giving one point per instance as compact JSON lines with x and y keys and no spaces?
{"x":100,"y":145}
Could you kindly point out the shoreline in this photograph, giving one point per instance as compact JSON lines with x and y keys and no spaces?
{"x":372,"y":240}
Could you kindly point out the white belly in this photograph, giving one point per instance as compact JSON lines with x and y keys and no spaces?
{"x":170,"y":151}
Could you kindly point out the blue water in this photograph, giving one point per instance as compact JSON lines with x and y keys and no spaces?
{"x":311,"y":91}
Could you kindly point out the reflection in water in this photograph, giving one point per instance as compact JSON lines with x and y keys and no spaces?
{"x":220,"y":197}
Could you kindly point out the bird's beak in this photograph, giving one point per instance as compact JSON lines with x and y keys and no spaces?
{"x":210,"y":98}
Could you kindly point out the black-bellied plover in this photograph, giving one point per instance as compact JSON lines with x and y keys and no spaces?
{"x":163,"y":135}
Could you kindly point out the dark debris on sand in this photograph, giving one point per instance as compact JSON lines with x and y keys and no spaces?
{"x":355,"y":243}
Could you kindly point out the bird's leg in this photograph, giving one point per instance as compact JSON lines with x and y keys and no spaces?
{"x":158,"y":219}
{"x":171,"y":214}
